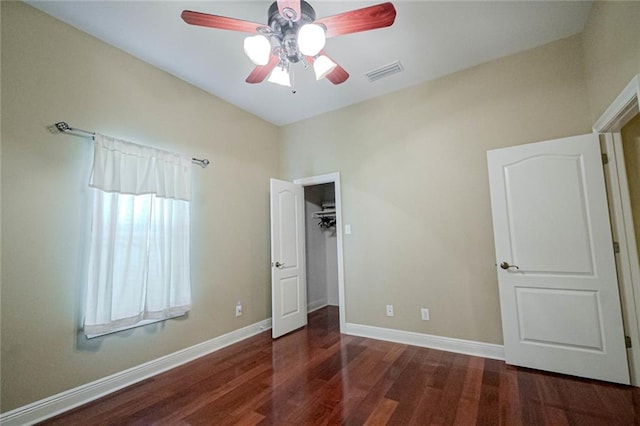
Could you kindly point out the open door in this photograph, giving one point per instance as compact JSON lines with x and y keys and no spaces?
{"x":556,"y":271}
{"x":288,"y":272}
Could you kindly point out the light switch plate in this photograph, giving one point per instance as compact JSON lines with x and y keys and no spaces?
{"x":347,"y":229}
{"x":424,"y":312}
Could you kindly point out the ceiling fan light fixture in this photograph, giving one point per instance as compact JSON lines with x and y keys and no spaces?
{"x":311,"y":39}
{"x":322,"y":66}
{"x":258,"y":49}
{"x":280,"y":75}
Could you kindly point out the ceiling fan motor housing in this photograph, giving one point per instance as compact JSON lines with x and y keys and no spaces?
{"x":286,"y":30}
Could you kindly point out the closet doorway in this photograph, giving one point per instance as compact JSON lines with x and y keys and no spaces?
{"x":321,"y":245}
{"x":323,"y":242}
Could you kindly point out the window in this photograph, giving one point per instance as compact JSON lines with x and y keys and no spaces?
{"x":139,"y":269}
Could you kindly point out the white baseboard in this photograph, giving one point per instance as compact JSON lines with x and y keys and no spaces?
{"x":467,"y":347}
{"x":64,"y":401}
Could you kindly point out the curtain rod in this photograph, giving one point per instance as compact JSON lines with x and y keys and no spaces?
{"x":63,"y":127}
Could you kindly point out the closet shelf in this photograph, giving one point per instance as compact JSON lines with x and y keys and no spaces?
{"x":329,"y":212}
{"x":327,"y":217}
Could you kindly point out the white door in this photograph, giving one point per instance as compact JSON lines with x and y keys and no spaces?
{"x":556,"y":272}
{"x":288,"y":272}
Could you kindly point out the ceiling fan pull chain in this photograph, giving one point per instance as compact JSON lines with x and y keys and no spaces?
{"x":293,"y":80}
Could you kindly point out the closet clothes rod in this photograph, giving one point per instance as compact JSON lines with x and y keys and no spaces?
{"x":65,"y":128}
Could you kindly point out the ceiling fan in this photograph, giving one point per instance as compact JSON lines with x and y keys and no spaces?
{"x":292,"y":34}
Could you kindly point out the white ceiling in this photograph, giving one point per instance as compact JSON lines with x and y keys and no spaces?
{"x":430,"y":38}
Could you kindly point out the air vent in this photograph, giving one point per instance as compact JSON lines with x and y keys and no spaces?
{"x":385,"y":71}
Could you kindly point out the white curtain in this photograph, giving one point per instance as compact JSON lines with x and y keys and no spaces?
{"x":139,"y":265}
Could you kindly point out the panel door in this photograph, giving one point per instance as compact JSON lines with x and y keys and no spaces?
{"x":288,"y":270}
{"x":554,"y":254}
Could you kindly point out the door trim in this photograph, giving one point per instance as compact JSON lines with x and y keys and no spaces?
{"x":622,"y":109}
{"x":617,"y":115}
{"x":335,"y":179}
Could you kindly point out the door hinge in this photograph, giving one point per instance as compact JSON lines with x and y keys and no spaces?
{"x":605,"y":159}
{"x":616,"y":247}
{"x":627,"y":341}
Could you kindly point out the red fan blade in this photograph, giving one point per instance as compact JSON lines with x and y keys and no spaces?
{"x":222,"y":22}
{"x":289,"y":9}
{"x":367,"y":18}
{"x":338,"y":75}
{"x":261,"y":72}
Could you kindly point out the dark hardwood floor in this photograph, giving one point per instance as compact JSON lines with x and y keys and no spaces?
{"x":316,"y":376}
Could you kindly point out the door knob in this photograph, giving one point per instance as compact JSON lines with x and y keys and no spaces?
{"x":505,"y":265}
{"x":279,"y":265}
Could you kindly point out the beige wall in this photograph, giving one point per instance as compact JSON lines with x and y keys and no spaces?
{"x":0,"y":212}
{"x":612,"y":51}
{"x":0,"y":209}
{"x":52,"y":72}
{"x":415,"y":186}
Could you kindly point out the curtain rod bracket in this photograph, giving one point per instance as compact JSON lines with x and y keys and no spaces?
{"x":62,"y":126}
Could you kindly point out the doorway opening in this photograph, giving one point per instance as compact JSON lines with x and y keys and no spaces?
{"x":323,"y":240}
{"x":321,"y":246}
{"x":619,"y":128}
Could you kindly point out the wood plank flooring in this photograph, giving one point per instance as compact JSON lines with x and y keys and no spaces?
{"x":315,"y":376}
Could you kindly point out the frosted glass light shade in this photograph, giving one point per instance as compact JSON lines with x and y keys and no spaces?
{"x":311,"y":39}
{"x":258,"y":49}
{"x":280,"y":76}
{"x":323,"y":66}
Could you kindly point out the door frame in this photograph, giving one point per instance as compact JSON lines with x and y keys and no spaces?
{"x":609,"y":125}
{"x":335,"y":179}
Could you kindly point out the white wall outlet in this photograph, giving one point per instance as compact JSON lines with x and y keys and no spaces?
{"x":425,"y":314}
{"x":389,"y":310}
{"x":239,"y":309}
